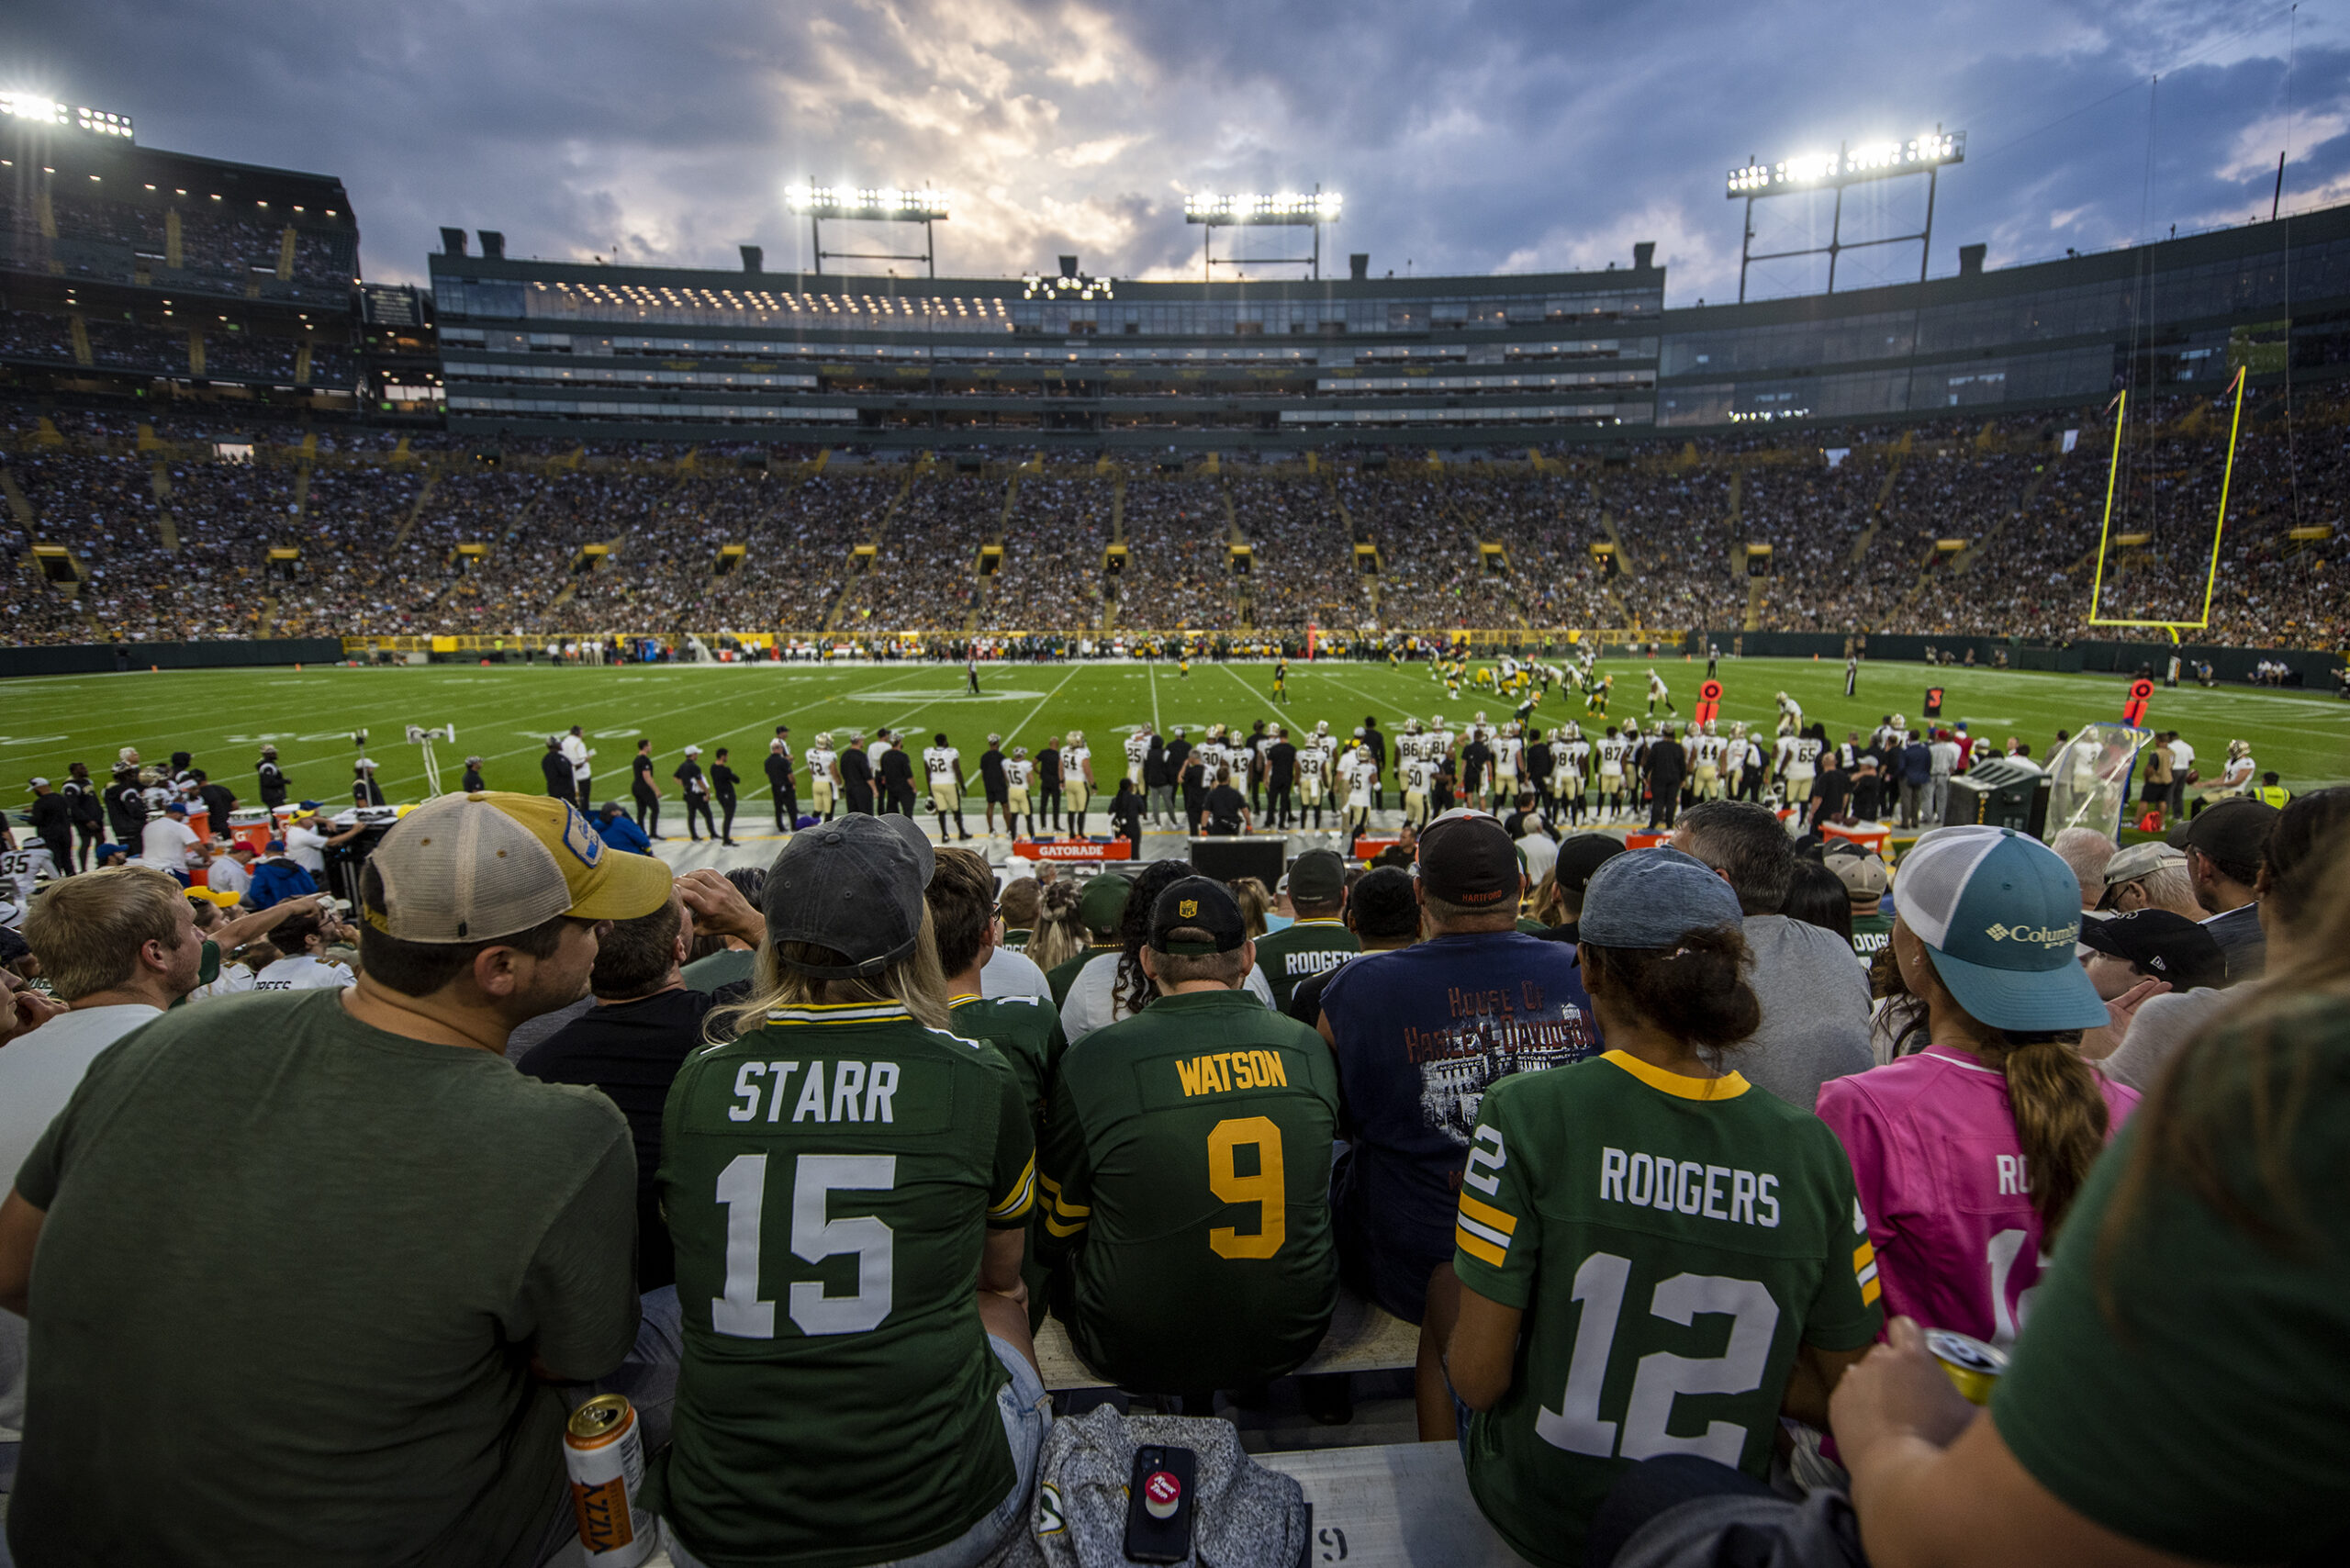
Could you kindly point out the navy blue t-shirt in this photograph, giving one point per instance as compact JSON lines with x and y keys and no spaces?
{"x":1422,"y":1033}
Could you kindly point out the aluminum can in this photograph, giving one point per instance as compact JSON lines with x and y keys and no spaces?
{"x":1973,"y":1366}
{"x":603,"y":1449}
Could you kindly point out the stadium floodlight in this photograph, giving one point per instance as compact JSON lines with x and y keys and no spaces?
{"x":1282,"y":209}
{"x":1851,"y":164}
{"x":46,"y":111}
{"x":1064,"y":286}
{"x":1288,"y":208}
{"x":867,"y":204}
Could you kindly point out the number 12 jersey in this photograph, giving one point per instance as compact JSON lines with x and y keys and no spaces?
{"x":1672,"y":1240}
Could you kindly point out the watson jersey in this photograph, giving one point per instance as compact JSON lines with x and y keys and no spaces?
{"x":1672,"y":1241}
{"x":1942,"y":1177}
{"x":1186,"y":1169}
{"x":1301,"y":950}
{"x":944,"y":764}
{"x":829,"y":1180}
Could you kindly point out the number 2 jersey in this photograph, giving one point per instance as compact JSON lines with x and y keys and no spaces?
{"x":1186,"y":1174}
{"x":1672,"y":1241}
{"x":829,"y":1180}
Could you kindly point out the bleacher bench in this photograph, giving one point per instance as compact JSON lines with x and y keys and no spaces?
{"x":1397,"y":1505}
{"x":1361,"y":1338}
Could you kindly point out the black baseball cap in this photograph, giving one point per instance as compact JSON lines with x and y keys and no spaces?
{"x":855,"y":886}
{"x":1582,"y":853}
{"x":1197,"y":904}
{"x":2167,"y":946}
{"x":1469,"y":860}
{"x":1317,"y":877}
{"x":2234,"y":832}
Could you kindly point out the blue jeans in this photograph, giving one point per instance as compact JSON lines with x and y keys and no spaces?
{"x":1027,"y":1410}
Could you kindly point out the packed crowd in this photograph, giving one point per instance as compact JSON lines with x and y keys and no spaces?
{"x":790,"y":1167}
{"x":215,"y":243}
{"x":1958,"y":530}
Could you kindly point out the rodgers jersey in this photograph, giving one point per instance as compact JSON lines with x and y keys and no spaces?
{"x":1186,"y":1170}
{"x":829,"y":1180}
{"x":944,"y":764}
{"x":1672,"y":1240}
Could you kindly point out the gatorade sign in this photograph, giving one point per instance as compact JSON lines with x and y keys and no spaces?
{"x":1709,"y":701}
{"x":2134,"y":710}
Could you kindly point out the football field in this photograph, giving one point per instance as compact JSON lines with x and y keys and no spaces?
{"x":504,"y":712}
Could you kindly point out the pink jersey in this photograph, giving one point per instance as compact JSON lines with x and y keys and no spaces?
{"x":1942,"y":1180}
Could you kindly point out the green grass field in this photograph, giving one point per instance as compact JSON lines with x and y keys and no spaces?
{"x":504,"y":712}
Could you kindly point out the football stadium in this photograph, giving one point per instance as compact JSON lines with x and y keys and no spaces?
{"x":1298,"y":915}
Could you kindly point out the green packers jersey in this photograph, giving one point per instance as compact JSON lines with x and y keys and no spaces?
{"x":1871,"y":934}
{"x":828,"y":1181}
{"x":1300,"y":951}
{"x":1186,"y":1169}
{"x":1026,"y":1030}
{"x":1672,"y":1241}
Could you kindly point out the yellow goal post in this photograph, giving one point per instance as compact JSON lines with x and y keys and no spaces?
{"x":2219,"y":523}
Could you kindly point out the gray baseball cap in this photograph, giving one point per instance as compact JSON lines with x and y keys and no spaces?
{"x":1652,"y":897}
{"x":855,"y":886}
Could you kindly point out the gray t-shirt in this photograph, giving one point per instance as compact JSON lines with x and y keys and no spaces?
{"x":292,"y":1275}
{"x":1815,"y":1010}
{"x":2163,"y":1023}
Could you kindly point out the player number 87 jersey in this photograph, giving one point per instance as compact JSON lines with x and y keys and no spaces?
{"x":1672,"y":1242}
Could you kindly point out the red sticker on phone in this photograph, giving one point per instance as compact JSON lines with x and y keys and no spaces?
{"x":1161,"y":1494}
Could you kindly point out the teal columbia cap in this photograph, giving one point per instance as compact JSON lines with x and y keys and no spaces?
{"x":1999,"y":913}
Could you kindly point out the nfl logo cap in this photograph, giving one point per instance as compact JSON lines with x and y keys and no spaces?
{"x":475,"y":868}
{"x":1999,"y":914}
{"x":854,"y":886}
{"x":1197,"y":904}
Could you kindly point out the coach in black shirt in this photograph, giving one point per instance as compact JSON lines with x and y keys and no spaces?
{"x":1476,"y":762}
{"x":1280,"y":778}
{"x":556,"y":767}
{"x":857,"y":775}
{"x":1227,"y":811}
{"x":993,"y":788}
{"x":126,"y":807}
{"x":1048,"y":800}
{"x":779,"y":784}
{"x":897,"y":777}
{"x":644,"y":1025}
{"x":1378,"y":744}
{"x":1668,"y":766}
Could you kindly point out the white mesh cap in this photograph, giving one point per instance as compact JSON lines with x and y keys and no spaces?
{"x":1933,"y":875}
{"x":473,"y":867}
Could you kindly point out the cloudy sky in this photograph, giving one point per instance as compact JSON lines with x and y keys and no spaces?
{"x":1468,"y":136}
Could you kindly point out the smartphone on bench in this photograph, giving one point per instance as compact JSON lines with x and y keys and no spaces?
{"x":1159,"y":1503}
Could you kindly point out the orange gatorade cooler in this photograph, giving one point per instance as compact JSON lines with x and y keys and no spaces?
{"x":252,"y":827}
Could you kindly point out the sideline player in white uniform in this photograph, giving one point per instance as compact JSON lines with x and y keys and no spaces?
{"x":1706,"y":754}
{"x":1312,"y":771}
{"x":1077,"y":781}
{"x":943,"y":765}
{"x":1613,"y":749}
{"x":23,"y":869}
{"x":1017,"y":770}
{"x":1798,"y":762}
{"x":1509,"y":748}
{"x":1571,"y":770}
{"x":1137,"y":748}
{"x":824,"y":775}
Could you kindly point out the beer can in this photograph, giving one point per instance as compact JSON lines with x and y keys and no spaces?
{"x":1973,"y":1366}
{"x":604,"y":1452}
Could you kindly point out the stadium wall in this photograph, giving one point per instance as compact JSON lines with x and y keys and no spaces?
{"x":98,"y":659}
{"x":2315,"y":666}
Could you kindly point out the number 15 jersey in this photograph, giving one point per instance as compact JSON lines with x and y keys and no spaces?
{"x":829,"y":1179}
{"x":1672,"y":1240}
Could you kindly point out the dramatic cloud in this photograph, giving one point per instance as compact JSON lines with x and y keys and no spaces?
{"x":1467,"y":135}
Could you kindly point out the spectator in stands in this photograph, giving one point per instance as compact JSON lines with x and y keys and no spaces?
{"x":1100,"y":920}
{"x":1649,"y":1178}
{"x":1017,"y":906}
{"x":612,"y":825}
{"x":1383,"y":913}
{"x":1109,"y":987}
{"x":1170,"y":1289}
{"x":1317,"y":941}
{"x":724,"y":958}
{"x":2088,"y":851}
{"x":168,"y":845}
{"x":303,"y":939}
{"x":1061,"y":935}
{"x":1816,"y":896}
{"x":2125,"y":951}
{"x":1415,"y":1034}
{"x":277,"y":878}
{"x":1580,"y":854}
{"x":1815,"y":1002}
{"x":2298,"y":854}
{"x":231,"y":874}
{"x":2149,"y":876}
{"x":2223,"y":848}
{"x":429,"y":1302}
{"x":646,"y":1020}
{"x":2006,"y":1005}
{"x":1867,"y":880}
{"x":791,"y":1436}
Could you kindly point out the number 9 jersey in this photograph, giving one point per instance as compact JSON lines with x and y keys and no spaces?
{"x":1672,"y":1240}
{"x":1185,"y":1176}
{"x":829,"y":1180}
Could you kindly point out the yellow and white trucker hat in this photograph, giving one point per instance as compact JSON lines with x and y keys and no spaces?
{"x":473,"y":867}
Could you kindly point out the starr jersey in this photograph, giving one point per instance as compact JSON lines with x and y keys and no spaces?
{"x":829,"y":1180}
{"x":1672,"y":1241}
